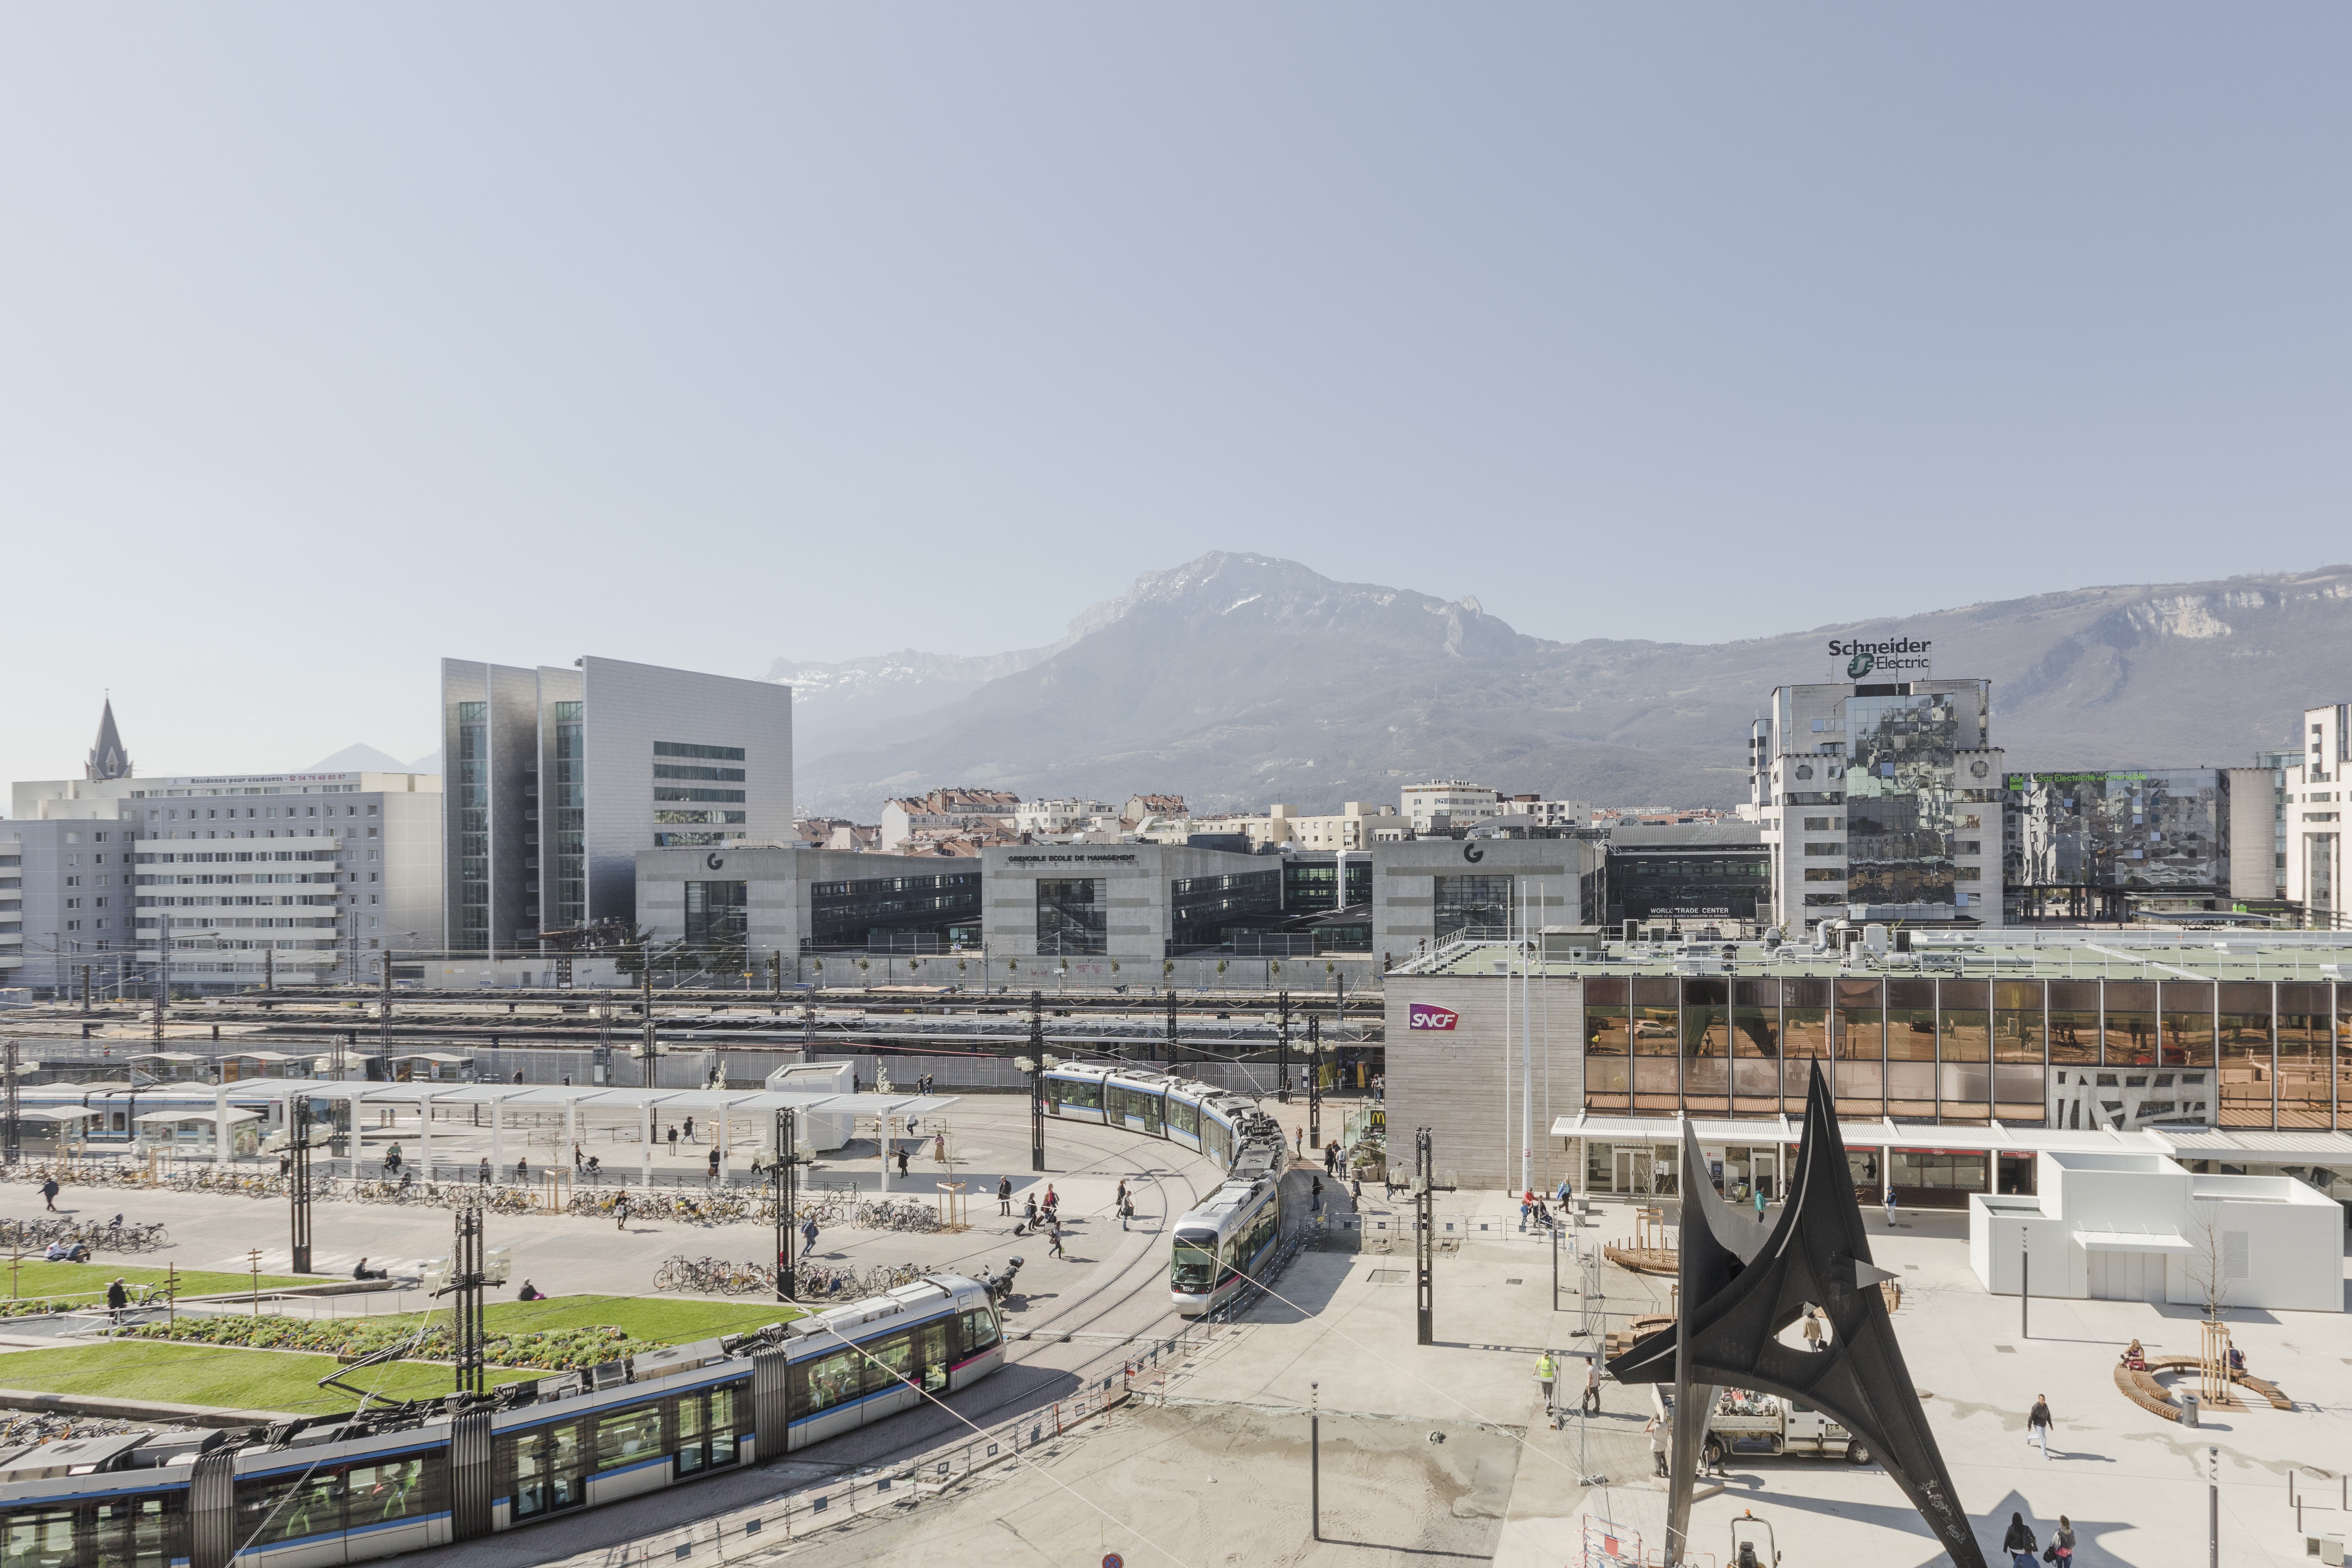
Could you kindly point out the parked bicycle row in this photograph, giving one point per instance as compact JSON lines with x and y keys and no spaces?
{"x":726,"y":1277}
{"x":99,"y":1236}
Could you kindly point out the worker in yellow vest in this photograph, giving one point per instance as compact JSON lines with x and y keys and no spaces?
{"x":1546,"y":1370}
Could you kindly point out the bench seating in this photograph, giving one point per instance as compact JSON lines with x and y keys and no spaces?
{"x":2142,"y":1390}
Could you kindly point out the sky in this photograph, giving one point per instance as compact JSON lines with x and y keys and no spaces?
{"x":337,"y":340}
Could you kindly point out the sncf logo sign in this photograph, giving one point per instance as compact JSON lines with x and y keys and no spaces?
{"x":1421,"y":1015}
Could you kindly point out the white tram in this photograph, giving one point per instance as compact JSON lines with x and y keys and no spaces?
{"x":1224,"y":1242}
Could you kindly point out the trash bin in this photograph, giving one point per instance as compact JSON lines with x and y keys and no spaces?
{"x":2189,"y":1410}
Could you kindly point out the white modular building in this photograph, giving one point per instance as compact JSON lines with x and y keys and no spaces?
{"x":2143,"y":1227}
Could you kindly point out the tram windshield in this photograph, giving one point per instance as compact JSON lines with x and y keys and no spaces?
{"x":1195,"y":1266}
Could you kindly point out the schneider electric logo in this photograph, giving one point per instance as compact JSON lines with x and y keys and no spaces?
{"x":1421,"y":1015}
{"x":1894,"y":653}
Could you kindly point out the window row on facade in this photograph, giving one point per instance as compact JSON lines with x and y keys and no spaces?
{"x":2069,"y":1053}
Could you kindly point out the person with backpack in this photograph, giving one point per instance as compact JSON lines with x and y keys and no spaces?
{"x":2019,"y":1543}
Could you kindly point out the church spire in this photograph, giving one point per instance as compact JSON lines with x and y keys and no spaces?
{"x":107,"y":760}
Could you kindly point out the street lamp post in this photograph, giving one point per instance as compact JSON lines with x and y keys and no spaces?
{"x":1282,"y":1046}
{"x":1314,"y":1080}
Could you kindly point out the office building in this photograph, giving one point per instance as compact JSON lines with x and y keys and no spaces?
{"x":2316,"y":802}
{"x":1427,"y":893}
{"x":1696,"y":875}
{"x":1880,"y":801}
{"x":235,"y":877}
{"x":957,"y":812}
{"x":2107,"y":845}
{"x":558,"y":777}
{"x":765,"y":899}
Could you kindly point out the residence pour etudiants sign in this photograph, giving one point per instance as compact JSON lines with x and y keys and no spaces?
{"x":1903,"y":656}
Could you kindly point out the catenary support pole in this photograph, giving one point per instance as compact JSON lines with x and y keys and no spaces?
{"x":2024,"y":1290}
{"x":298,"y":1179}
{"x":1315,"y":1457}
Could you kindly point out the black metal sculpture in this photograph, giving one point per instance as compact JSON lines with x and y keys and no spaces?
{"x":1737,"y":1294}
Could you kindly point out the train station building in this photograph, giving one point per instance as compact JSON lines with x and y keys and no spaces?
{"x":1952,"y":1065}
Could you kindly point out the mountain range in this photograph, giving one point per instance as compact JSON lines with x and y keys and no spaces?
{"x":1240,"y":680}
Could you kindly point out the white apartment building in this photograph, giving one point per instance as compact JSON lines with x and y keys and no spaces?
{"x":1352,"y":826}
{"x":230,"y":877}
{"x":1043,"y":816}
{"x":1534,"y":811}
{"x":2315,"y":805}
{"x":1449,"y":802}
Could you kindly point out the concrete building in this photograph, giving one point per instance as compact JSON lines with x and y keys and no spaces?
{"x":1880,"y":801}
{"x":559,"y":776}
{"x":2316,"y":797}
{"x":1446,"y":803}
{"x":1127,"y":901}
{"x":2139,"y":1227}
{"x":1429,"y":891}
{"x":789,"y":901}
{"x":1544,"y":813}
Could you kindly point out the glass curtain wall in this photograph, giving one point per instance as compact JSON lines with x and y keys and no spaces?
{"x":1608,"y":1049}
{"x":1754,"y":1048}
{"x":2247,"y":1080}
{"x":1706,"y":1047}
{"x":473,"y":932}
{"x":1804,"y":1040}
{"x":1073,"y":916}
{"x":567,"y":818}
{"x":1898,"y":796}
{"x":2304,"y":1071}
{"x":1657,"y":1035}
{"x":1471,"y":901}
{"x":1860,"y":1042}
{"x":1911,"y":1050}
{"x":2018,"y":1033}
{"x":1964,"y":1050}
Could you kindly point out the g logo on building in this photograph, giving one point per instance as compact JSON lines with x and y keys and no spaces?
{"x":1473,"y":854}
{"x":1421,"y":1015}
{"x":713,"y":861}
{"x":1860,"y":665}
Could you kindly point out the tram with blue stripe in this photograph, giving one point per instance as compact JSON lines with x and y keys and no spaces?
{"x":331,"y":1489}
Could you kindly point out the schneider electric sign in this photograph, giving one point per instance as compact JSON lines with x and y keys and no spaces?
{"x":1901,"y":656}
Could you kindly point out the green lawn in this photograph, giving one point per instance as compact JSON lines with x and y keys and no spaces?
{"x":218,"y":1375}
{"x":34,"y":1278}
{"x":640,"y":1317}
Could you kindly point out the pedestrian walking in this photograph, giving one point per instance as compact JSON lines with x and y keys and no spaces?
{"x":1813,"y":1331}
{"x":1315,"y":1197}
{"x":1657,"y":1431}
{"x":1890,"y":1208}
{"x":673,"y":1141}
{"x":939,"y":1147}
{"x":1030,"y":1221}
{"x":1527,"y":1211}
{"x":1003,"y":1195}
{"x":2038,"y":1424}
{"x":485,"y":1170}
{"x":621,"y":1214}
{"x":1760,"y":1206}
{"x":1053,"y":1202}
{"x":1121,"y":1201}
{"x":1056,"y":1241}
{"x":1592,"y":1387}
{"x":575,"y":1157}
{"x":1356,"y":1191}
{"x":523,"y":1170}
{"x":714,"y":1163}
{"x":2019,"y":1543}
{"x":808,"y":1234}
{"x":49,"y":1194}
{"x":1126,"y":1213}
{"x":1298,"y":1135}
{"x":902,"y":1163}
{"x":1562,"y":1196}
{"x":689,"y":1129}
{"x":2062,"y":1541}
{"x":117,"y":1298}
{"x":1546,"y":1370}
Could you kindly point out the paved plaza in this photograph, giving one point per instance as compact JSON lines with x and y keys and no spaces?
{"x":1429,"y":1452}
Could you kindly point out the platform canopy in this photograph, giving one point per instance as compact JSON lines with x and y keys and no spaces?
{"x":158,"y":1117}
{"x":631,"y":1101}
{"x":2236,"y":1145}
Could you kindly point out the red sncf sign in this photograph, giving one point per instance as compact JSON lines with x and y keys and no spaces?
{"x":1421,"y":1015}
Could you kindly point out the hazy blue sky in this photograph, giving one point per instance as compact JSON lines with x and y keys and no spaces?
{"x":336,"y":339}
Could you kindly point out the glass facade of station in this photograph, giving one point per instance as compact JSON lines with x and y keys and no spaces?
{"x":2074,"y":1054}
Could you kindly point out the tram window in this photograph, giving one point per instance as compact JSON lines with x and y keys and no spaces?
{"x":932,"y":1355}
{"x":291,"y":1510}
{"x":628,"y":1437}
{"x":892,"y":1359}
{"x":543,"y":1468}
{"x":726,"y":1400}
{"x":397,"y":1489}
{"x":131,"y":1532}
{"x":1195,"y":1266}
{"x":825,"y":1381}
{"x":36,"y":1537}
{"x":693,"y":1431}
{"x":1183,"y":1117}
{"x":979,"y":1330}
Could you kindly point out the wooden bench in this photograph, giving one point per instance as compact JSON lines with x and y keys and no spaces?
{"x":2142,"y":1390}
